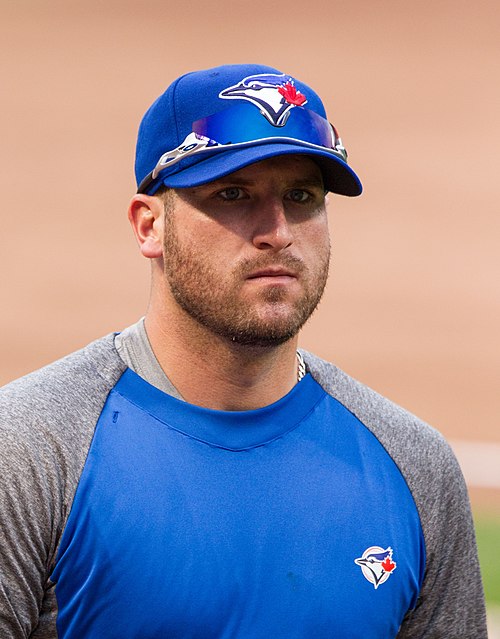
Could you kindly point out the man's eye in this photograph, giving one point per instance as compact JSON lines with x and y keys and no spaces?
{"x":298,"y":195}
{"x":231,"y":193}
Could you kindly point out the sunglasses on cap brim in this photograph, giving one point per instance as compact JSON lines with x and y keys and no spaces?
{"x":243,"y":126}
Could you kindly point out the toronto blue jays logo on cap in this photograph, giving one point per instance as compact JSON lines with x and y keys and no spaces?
{"x":274,"y":94}
{"x":376,"y":564}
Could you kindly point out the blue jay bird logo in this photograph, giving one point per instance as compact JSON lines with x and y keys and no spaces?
{"x":376,"y":564}
{"x":274,"y":94}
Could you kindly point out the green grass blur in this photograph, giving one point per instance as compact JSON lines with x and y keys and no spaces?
{"x":488,"y":542}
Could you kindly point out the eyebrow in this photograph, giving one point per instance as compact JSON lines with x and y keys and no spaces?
{"x":302,"y":181}
{"x":309,"y":181}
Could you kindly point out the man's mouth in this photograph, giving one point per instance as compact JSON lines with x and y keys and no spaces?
{"x":274,"y":274}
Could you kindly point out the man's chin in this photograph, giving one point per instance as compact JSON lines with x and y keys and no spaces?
{"x":272,"y":330}
{"x":261,"y":340}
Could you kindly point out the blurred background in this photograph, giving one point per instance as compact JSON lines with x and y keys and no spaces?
{"x":413,"y":305}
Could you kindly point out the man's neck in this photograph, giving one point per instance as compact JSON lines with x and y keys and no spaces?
{"x":212,"y":372}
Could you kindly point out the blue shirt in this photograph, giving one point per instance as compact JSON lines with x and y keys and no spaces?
{"x":291,"y":521}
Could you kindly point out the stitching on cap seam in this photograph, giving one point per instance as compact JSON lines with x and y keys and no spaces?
{"x":174,"y":90}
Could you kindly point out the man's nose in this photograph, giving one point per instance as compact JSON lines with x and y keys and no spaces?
{"x":272,"y":230}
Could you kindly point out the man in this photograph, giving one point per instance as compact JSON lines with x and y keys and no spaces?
{"x":196,"y":476}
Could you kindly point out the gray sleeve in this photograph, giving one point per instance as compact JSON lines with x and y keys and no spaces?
{"x":451,"y":602}
{"x":47,"y":421}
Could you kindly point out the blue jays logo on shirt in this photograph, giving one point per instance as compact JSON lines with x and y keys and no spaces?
{"x":274,"y":94}
{"x":376,"y":564}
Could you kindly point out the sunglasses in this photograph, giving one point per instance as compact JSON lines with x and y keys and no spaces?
{"x":243,"y":126}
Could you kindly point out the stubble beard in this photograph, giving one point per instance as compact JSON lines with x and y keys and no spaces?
{"x":218,"y":305}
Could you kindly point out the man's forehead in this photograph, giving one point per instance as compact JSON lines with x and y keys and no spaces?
{"x":296,"y":168}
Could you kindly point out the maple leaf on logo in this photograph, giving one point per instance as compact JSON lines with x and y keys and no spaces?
{"x":291,"y":95}
{"x":388,"y":565}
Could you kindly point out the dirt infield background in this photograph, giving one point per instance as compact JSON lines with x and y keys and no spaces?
{"x":413,"y":307}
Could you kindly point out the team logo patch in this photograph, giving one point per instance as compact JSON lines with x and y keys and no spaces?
{"x":376,"y":565}
{"x":274,"y":94}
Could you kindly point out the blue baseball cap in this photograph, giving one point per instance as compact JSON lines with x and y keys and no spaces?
{"x":211,"y":123}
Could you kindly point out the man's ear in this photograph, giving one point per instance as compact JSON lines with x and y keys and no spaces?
{"x":146,"y":215}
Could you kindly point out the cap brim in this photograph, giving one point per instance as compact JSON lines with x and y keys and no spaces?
{"x":338,"y":176}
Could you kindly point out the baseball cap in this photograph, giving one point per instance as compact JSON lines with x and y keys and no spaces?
{"x":210,"y":123}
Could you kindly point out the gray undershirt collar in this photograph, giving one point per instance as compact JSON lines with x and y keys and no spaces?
{"x":135,"y":350}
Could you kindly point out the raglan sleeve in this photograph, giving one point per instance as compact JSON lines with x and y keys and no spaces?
{"x":47,"y":422}
{"x":31,"y":511}
{"x":451,"y":602}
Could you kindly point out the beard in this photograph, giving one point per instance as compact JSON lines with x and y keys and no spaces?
{"x":214,"y":299}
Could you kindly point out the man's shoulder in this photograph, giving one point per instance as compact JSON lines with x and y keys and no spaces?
{"x":378,"y":413}
{"x":74,"y":384}
{"x":422,"y":454}
{"x":452,"y":581}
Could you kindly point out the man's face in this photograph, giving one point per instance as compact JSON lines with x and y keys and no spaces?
{"x":247,"y":256}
